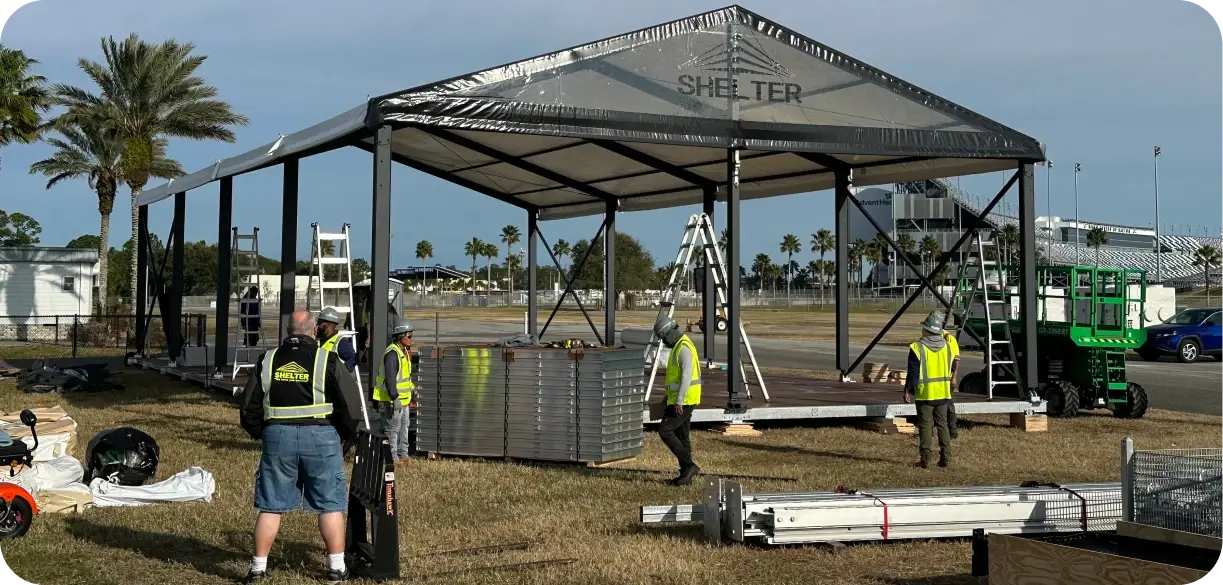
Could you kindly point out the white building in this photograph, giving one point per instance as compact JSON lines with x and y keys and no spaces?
{"x":36,"y":283}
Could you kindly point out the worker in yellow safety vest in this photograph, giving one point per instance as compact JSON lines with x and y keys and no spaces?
{"x":683,"y":394}
{"x":928,"y":385}
{"x":393,"y":388}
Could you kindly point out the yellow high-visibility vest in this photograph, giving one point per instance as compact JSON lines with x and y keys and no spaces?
{"x":933,"y":374}
{"x":403,"y":383}
{"x":332,"y":344}
{"x":675,"y":374}
{"x":293,"y":373}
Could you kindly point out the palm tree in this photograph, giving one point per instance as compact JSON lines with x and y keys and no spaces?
{"x":1010,"y":241}
{"x":821,"y":242}
{"x":815,"y":273}
{"x":929,"y":250}
{"x":510,"y":236}
{"x":874,"y":254}
{"x":474,"y":248}
{"x":489,"y":252}
{"x":1207,"y":257}
{"x":857,"y":251}
{"x":560,"y":249}
{"x":23,"y":98}
{"x":881,"y":242}
{"x":906,"y":244}
{"x":760,"y":266}
{"x":424,"y":251}
{"x":789,"y":246}
{"x":93,"y":154}
{"x":147,"y":91}
{"x":723,"y":241}
{"x":1096,"y":237}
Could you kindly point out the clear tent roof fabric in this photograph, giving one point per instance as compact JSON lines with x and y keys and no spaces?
{"x":645,"y":119}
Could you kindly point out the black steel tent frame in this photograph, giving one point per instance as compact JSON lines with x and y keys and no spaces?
{"x":918,"y":152}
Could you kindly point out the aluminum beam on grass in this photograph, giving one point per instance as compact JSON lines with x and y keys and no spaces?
{"x":775,"y":413}
{"x":569,"y":282}
{"x":726,"y":512}
{"x":974,"y":222}
{"x":225,"y":220}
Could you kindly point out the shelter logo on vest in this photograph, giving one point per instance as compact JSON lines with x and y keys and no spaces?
{"x":291,"y":372}
{"x":753,"y":60}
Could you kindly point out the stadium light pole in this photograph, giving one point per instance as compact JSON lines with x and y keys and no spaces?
{"x":1078,"y":228}
{"x":1159,"y":261}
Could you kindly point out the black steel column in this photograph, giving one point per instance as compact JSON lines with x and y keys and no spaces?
{"x":288,"y":248}
{"x":380,"y":256}
{"x":609,"y":276}
{"x":734,"y":383}
{"x":841,"y":230}
{"x":225,"y":220}
{"x":176,"y":278}
{"x":532,"y":269}
{"x":709,"y":297}
{"x":1027,"y":272}
{"x":141,"y":294}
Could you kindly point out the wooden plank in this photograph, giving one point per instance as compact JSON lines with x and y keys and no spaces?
{"x":1022,"y":561}
{"x":45,"y":414}
{"x":737,"y":430}
{"x":1038,"y":423}
{"x":890,"y":426}
{"x":1157,"y":533}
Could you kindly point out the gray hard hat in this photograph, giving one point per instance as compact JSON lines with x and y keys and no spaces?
{"x":933,"y":323}
{"x":663,"y":326}
{"x":330,"y":315}
{"x":401,"y":327}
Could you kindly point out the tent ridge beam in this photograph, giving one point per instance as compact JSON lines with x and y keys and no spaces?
{"x":655,"y":163}
{"x":657,"y":172}
{"x":528,"y":166}
{"x":824,"y":160}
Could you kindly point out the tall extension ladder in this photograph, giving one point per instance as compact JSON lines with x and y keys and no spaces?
{"x":972,"y":292}
{"x":244,"y":263}
{"x":333,"y":249}
{"x":698,"y":233}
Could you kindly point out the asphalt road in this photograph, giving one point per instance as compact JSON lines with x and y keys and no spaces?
{"x":1170,"y":385}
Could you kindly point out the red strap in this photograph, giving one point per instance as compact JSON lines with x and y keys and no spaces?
{"x":844,"y":490}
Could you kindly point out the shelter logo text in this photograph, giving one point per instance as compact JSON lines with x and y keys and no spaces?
{"x":291,"y":372}
{"x":753,"y":61}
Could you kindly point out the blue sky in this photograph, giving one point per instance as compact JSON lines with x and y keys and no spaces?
{"x":1098,"y":81}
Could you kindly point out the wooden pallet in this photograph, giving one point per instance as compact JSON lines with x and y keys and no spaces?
{"x":1038,"y":423}
{"x":890,"y":426}
{"x":431,"y":455}
{"x":737,"y":429}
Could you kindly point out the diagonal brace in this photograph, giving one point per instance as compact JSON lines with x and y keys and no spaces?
{"x":569,"y":282}
{"x":973,"y":223}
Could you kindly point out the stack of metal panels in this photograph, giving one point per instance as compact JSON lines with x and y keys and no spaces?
{"x":895,"y":514}
{"x":531,"y":403}
{"x":461,"y":401}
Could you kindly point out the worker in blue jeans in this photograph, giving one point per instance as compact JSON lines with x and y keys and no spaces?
{"x":300,"y":403}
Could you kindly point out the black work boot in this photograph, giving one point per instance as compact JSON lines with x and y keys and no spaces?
{"x":944,"y":461}
{"x":925,"y":462}
{"x":686,"y":476}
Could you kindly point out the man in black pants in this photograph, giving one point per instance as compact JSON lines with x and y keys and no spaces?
{"x":683,"y":393}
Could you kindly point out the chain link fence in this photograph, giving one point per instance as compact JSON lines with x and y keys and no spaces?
{"x":1178,"y":489}
{"x":73,"y":336}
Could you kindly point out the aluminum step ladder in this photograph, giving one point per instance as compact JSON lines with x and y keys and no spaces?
{"x":244,"y":264}
{"x":699,"y":238}
{"x":973,"y":292}
{"x":330,"y":283}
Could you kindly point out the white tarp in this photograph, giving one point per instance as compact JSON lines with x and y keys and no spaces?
{"x":192,"y":485}
{"x":50,"y":447}
{"x":60,"y":473}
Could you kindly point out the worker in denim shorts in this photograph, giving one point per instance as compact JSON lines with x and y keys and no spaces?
{"x":301,"y":402}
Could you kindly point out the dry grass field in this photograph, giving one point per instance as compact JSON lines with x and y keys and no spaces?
{"x":589,"y":516}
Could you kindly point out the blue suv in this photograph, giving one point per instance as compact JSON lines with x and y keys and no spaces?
{"x":1189,"y":334}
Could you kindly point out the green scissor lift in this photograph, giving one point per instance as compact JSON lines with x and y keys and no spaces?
{"x":1082,"y":335}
